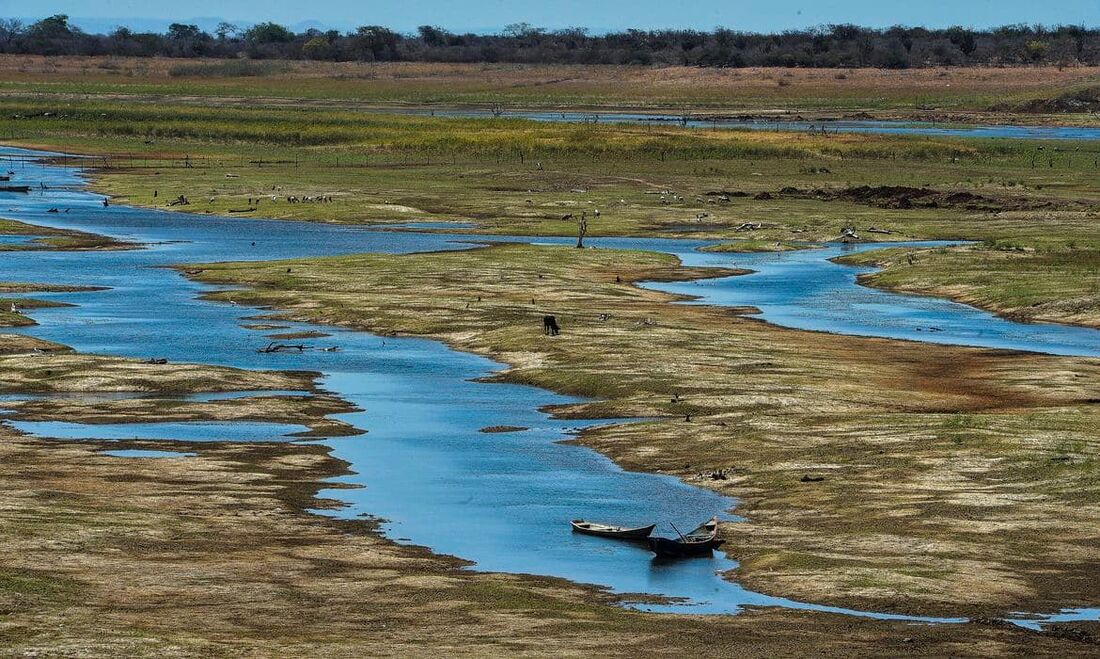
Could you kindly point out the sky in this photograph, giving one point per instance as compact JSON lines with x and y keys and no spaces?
{"x":488,"y":16}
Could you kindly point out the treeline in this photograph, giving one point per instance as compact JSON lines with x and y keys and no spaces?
{"x":824,"y":47}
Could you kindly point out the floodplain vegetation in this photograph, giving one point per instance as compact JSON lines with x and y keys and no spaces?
{"x":1033,"y":206}
{"x":952,"y":480}
{"x":1031,"y":94}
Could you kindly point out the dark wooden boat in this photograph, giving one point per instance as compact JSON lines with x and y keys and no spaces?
{"x":608,"y":531}
{"x":5,"y":178}
{"x":700,"y":542}
{"x":15,"y":188}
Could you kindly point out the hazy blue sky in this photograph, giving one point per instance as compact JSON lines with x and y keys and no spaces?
{"x":490,"y":15}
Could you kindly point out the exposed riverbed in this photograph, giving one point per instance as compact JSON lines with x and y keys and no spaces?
{"x":500,"y":500}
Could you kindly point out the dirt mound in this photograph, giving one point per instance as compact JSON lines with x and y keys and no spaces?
{"x":899,"y":196}
{"x":1075,"y":102}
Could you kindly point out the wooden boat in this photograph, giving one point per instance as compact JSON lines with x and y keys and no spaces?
{"x":15,"y":188}
{"x":5,"y":178}
{"x":608,"y":531}
{"x":702,"y":541}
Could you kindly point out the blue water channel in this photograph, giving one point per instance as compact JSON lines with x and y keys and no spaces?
{"x":503,"y":501}
{"x":789,"y":124}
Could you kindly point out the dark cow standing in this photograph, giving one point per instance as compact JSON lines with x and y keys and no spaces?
{"x":550,"y":326}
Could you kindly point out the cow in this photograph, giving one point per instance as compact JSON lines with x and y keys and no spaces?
{"x":550,"y":326}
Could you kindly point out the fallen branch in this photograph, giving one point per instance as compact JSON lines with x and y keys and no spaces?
{"x":282,"y":347}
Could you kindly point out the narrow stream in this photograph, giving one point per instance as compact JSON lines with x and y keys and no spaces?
{"x":805,"y":290}
{"x":788,"y":123}
{"x":501,"y":500}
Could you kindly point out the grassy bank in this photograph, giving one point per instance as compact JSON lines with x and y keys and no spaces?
{"x":48,"y":239}
{"x":11,"y":310}
{"x":952,"y":479}
{"x":751,"y":246}
{"x":1053,"y":283}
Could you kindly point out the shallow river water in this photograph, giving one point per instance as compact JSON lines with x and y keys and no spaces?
{"x":502,"y":501}
{"x":791,"y":124}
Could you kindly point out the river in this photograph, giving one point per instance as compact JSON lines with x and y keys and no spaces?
{"x":788,"y":124}
{"x":502,"y":501}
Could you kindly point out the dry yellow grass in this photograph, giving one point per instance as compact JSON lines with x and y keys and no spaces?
{"x":956,"y":480}
{"x":671,"y":88}
{"x":212,"y":554}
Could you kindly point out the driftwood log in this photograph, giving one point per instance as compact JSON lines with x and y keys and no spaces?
{"x":282,"y":347}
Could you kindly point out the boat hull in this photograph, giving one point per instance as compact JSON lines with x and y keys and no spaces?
{"x":668,"y":548}
{"x":616,"y":533}
{"x":700,"y":542}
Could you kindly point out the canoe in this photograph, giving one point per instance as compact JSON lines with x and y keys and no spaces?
{"x":15,"y":188}
{"x":608,"y":531}
{"x":700,"y":542}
